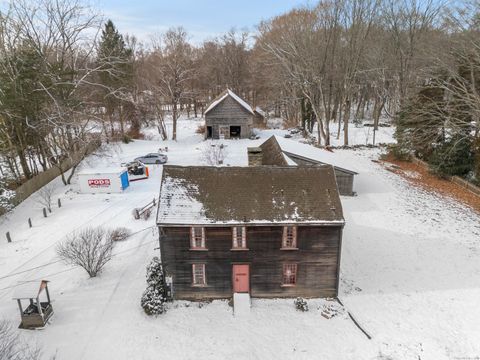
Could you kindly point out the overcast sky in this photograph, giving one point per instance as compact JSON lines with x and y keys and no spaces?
{"x":203,"y":19}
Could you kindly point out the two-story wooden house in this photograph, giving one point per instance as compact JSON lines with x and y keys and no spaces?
{"x":271,"y":231}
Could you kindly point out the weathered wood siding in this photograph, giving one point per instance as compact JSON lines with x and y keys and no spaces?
{"x":229,"y":113}
{"x":318,"y":258}
{"x":344,"y":179}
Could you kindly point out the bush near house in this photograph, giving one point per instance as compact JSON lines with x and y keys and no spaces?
{"x":154,"y":298}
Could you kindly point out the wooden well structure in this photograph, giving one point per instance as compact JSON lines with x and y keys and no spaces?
{"x":37,"y":312}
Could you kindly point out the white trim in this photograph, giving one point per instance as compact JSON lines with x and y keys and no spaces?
{"x":242,"y":238}
{"x":196,"y":281}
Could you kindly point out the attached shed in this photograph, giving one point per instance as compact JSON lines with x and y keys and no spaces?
{"x":229,"y":117}
{"x":278,"y":151}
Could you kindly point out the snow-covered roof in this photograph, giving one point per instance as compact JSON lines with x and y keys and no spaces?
{"x":259,"y":110}
{"x":29,"y":289}
{"x":224,"y":95}
{"x":103,"y":170}
{"x":259,"y":195}
{"x":312,"y":153}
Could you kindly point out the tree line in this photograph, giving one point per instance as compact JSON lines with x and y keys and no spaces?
{"x":70,"y":79}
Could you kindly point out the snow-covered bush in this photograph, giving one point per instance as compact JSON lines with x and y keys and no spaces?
{"x":119,"y":234}
{"x":6,"y":199}
{"x":90,"y":248}
{"x":154,"y":298}
{"x":301,"y":304}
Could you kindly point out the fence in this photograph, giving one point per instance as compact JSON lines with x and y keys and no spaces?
{"x":455,"y":179}
{"x":40,"y":180}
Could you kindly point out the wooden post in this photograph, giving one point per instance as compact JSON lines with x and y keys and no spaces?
{"x":39,"y":307}
{"x":44,"y":212}
{"x":29,"y":222}
{"x":20,"y":307}
{"x":9,"y":239}
{"x":48,"y":294}
{"x":59,"y":203}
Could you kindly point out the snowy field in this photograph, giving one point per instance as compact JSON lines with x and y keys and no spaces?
{"x":410,"y":275}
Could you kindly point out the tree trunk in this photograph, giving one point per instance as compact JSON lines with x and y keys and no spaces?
{"x":346,"y":119}
{"x":174,"y":122}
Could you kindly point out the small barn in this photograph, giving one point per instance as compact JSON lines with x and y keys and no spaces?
{"x":229,"y":117}
{"x":265,"y":231}
{"x":278,"y":151}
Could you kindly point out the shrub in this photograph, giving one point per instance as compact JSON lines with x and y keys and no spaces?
{"x":301,"y":304}
{"x":13,"y":347}
{"x":200,"y":129}
{"x":453,"y":157}
{"x":119,"y":234}
{"x":126,"y":139}
{"x":90,"y":248}
{"x":154,"y":297}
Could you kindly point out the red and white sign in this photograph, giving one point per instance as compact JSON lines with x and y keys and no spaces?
{"x":95,"y":183}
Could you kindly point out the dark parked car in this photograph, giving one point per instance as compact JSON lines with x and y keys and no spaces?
{"x":153,"y":158}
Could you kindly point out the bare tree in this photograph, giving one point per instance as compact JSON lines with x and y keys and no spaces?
{"x":12,"y":347}
{"x":172,"y":61}
{"x":45,"y":195}
{"x":214,"y":153}
{"x":90,"y":248}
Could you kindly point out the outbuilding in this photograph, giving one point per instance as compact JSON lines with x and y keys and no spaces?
{"x":278,"y":151}
{"x":229,"y":117}
{"x":106,"y":180}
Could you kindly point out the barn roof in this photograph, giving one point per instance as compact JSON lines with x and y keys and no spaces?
{"x":234,"y":96}
{"x":259,"y":195}
{"x":275,"y":144}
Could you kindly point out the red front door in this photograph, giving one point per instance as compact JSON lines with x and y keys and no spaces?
{"x":241,"y":278}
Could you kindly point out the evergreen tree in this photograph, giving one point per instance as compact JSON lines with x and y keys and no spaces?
{"x":116,"y":74}
{"x":154,"y":298}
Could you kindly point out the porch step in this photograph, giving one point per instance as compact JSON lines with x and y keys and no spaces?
{"x":241,"y":304}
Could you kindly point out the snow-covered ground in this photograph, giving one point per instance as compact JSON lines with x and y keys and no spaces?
{"x":410,"y":275}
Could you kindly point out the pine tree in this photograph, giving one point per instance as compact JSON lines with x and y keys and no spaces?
{"x":116,"y":75}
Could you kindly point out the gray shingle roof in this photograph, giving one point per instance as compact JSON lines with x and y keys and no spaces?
{"x":256,"y":195}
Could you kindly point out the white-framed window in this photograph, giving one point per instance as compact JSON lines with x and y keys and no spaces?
{"x":197,"y":238}
{"x":289,"y":274}
{"x":198,"y":275}
{"x":289,"y":240}
{"x":239,"y":237}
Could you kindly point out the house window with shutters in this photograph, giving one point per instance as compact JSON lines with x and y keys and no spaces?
{"x":198,"y":275}
{"x":289,"y":240}
{"x":197,"y":238}
{"x":289,"y":275}
{"x":239,"y":238}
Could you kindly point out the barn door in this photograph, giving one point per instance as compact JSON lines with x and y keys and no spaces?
{"x":241,"y":278}
{"x":224,"y":132}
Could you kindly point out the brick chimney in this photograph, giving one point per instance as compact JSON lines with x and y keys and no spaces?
{"x":255,"y":156}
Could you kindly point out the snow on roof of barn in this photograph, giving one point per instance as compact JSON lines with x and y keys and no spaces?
{"x":104,"y":170}
{"x":259,"y":110}
{"x":259,"y":195}
{"x":223,"y":96}
{"x":29,"y":289}
{"x":308,"y":152}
